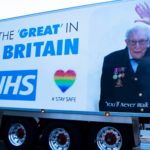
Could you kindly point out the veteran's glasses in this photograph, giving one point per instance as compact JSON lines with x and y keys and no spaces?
{"x":140,"y":42}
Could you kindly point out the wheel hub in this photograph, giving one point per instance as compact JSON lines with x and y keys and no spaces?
{"x":17,"y":134}
{"x":109,"y":138}
{"x":20,"y":133}
{"x":59,"y":139}
{"x":62,"y":139}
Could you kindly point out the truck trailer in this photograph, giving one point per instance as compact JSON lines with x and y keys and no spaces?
{"x":50,"y":79}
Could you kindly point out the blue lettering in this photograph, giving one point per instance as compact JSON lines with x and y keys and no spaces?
{"x":28,"y":51}
{"x":32,"y":32}
{"x":59,"y":47}
{"x":56,"y":27}
{"x":49,"y":49}
{"x":39,"y":31}
{"x":48,"y":30}
{"x":19,"y":51}
{"x":39,"y":49}
{"x":71,"y":46}
{"x":23,"y":33}
{"x":8,"y":52}
{"x":38,"y":46}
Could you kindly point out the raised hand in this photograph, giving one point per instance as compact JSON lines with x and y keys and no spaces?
{"x":143,"y":10}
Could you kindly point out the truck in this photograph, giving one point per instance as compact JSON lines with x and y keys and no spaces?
{"x":50,"y":69}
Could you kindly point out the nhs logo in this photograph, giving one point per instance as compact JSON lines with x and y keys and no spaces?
{"x":18,"y":85}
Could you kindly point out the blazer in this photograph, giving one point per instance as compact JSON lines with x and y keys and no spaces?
{"x":122,"y":89}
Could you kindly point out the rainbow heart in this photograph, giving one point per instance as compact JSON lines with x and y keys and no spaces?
{"x":64,"y":80}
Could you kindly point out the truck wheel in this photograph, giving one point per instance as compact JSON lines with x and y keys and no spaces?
{"x":61,"y":136}
{"x":20,"y":134}
{"x":109,"y":137}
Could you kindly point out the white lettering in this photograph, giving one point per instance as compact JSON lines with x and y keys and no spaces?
{"x":14,"y":84}
{"x":27,"y":84}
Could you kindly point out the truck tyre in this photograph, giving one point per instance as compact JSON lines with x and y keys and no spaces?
{"x":62,"y":136}
{"x":19,"y":133}
{"x":114,"y":137}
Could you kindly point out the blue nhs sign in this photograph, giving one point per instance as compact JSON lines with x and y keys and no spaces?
{"x":18,"y":85}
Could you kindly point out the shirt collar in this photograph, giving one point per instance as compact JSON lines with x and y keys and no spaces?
{"x":129,"y":53}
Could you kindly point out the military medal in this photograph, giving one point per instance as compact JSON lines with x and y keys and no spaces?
{"x":122,"y":75}
{"x":114,"y":76}
{"x":118,"y":75}
{"x":119,"y":83}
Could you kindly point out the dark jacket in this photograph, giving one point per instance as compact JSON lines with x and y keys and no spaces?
{"x":121,"y":88}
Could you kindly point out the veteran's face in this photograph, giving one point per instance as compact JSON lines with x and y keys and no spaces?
{"x":138,"y":43}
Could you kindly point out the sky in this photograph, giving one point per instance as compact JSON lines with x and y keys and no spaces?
{"x":14,"y":8}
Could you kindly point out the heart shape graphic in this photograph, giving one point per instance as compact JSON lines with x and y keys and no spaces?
{"x":64,"y":80}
